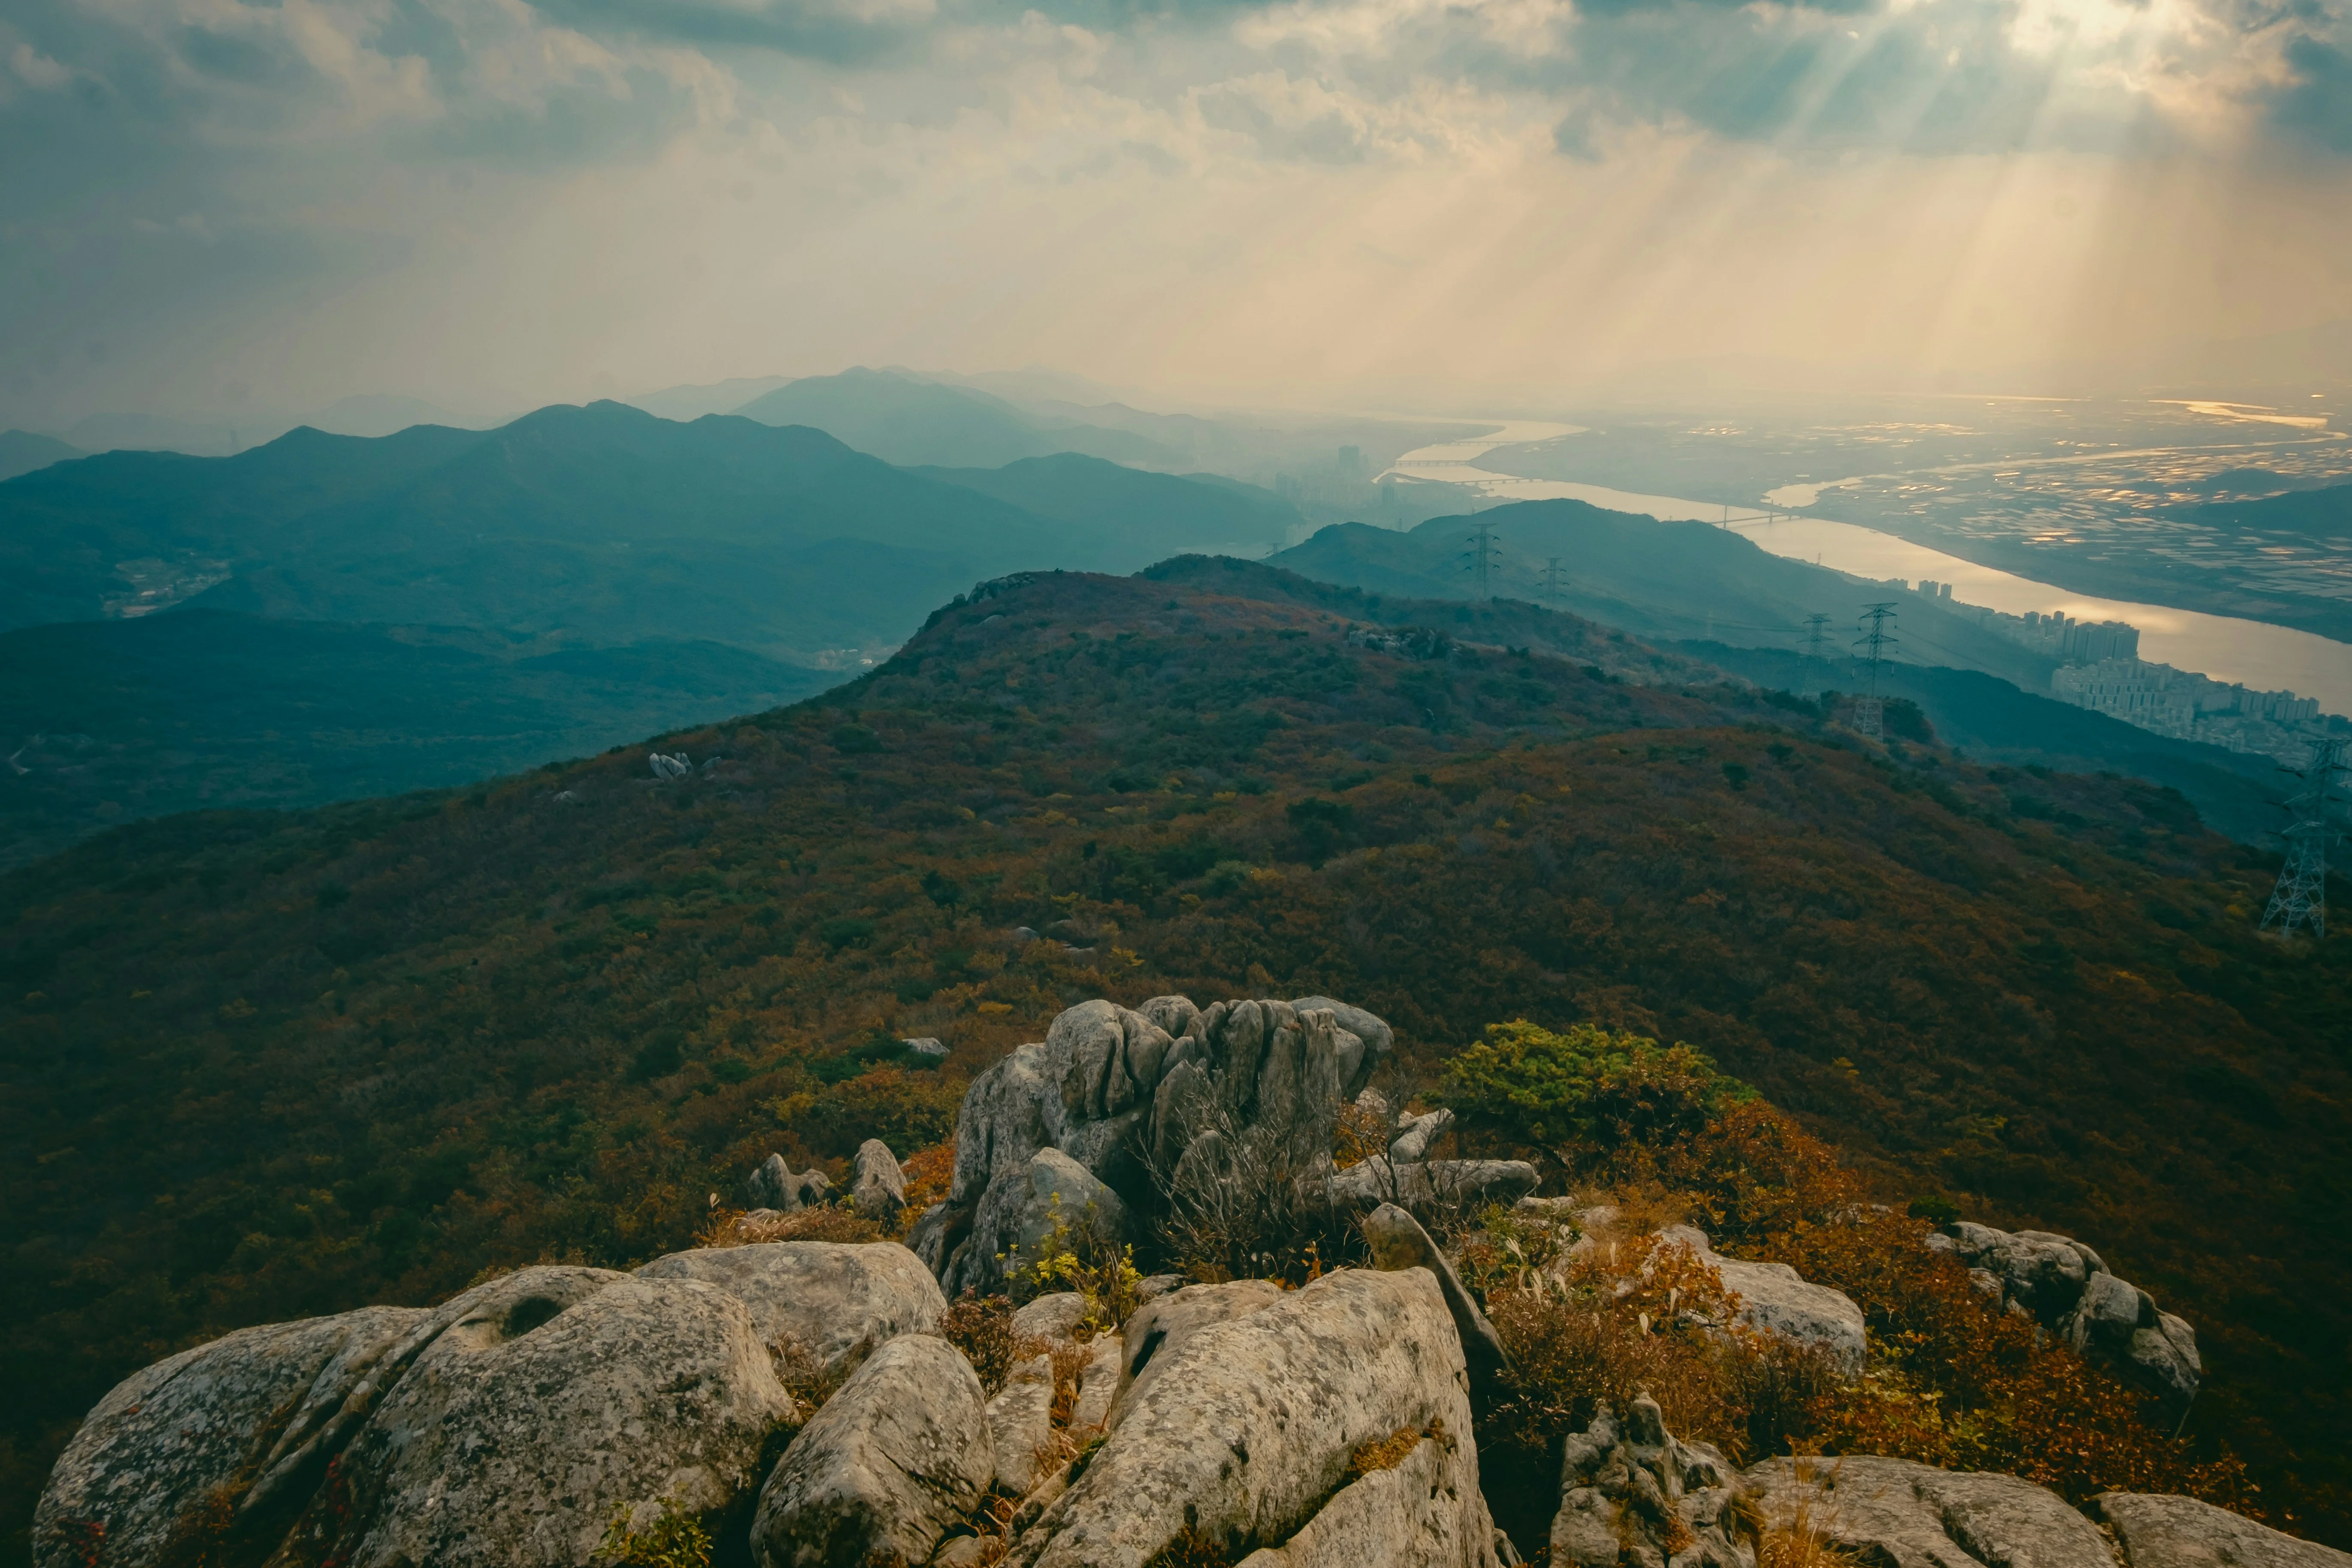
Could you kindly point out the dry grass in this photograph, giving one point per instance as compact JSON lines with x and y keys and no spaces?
{"x":1387,"y":1453}
{"x":733,"y":1227}
{"x":981,"y":1328}
{"x":1803,"y":1535}
{"x":1358,"y":1137}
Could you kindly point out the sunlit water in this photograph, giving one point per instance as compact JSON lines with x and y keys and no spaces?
{"x":2253,"y":653}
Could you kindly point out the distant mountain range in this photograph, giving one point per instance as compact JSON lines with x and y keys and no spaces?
{"x":901,"y":418}
{"x":595,"y":526}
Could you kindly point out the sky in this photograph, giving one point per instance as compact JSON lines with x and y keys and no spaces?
{"x":210,"y":208}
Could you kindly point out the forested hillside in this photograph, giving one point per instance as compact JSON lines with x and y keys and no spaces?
{"x":263,"y":1065}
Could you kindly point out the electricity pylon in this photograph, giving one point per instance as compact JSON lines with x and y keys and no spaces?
{"x":2301,"y":896}
{"x":1870,"y":714}
{"x":1481,"y":557}
{"x":1551,"y":580}
{"x":1813,"y":625}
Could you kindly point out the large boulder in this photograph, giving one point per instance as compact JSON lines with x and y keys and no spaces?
{"x":1251,"y":1427}
{"x":1400,"y":1515}
{"x":2180,"y":1532}
{"x":835,"y":1300}
{"x":552,"y":1398}
{"x":1628,"y":1486}
{"x":2069,"y":1289}
{"x":172,"y":1447}
{"x":1166,"y":1321}
{"x":1065,"y":1200}
{"x":1916,"y":1516}
{"x":895,"y":1460}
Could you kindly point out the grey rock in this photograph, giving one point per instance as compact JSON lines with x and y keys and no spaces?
{"x":837,"y":1300}
{"x":1055,"y":1316}
{"x":1629,"y":1486}
{"x":1775,"y":1299}
{"x":1098,"y":1380}
{"x":1175,"y":1016}
{"x":1434,"y":1188}
{"x":895,"y":1460}
{"x":1387,"y":1518}
{"x":1418,"y":1133}
{"x":1020,"y":1423}
{"x":1398,"y":1242}
{"x":927,"y":1046}
{"x":2068,"y":1288}
{"x":1248,"y":1432}
{"x":165,"y":1440}
{"x":878,"y":1188}
{"x":774,"y":1187}
{"x":1167,"y":1322}
{"x":1377,"y":1039}
{"x":2181,"y":1532}
{"x":1372,"y":1103}
{"x":1151,"y":1287}
{"x":549,"y":1398}
{"x":1916,"y":1516}
{"x":1064,"y":1195}
{"x":666,"y":767}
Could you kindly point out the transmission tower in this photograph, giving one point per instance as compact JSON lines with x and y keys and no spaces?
{"x":1813,"y":625}
{"x":1870,"y":714}
{"x":1480,"y":557}
{"x":1551,"y":580}
{"x":2301,"y":896}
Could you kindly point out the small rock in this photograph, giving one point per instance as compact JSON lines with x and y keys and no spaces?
{"x":1098,"y":1380}
{"x":1151,"y":1287}
{"x":1020,"y":1423}
{"x":1063,"y":1194}
{"x":926,"y":1045}
{"x":878,"y":1190}
{"x":891,"y":1463}
{"x":774,"y":1187}
{"x":1629,"y":1488}
{"x":1418,"y":1133}
{"x":1775,"y":1299}
{"x":1055,"y":1316}
{"x":1434,"y":1188}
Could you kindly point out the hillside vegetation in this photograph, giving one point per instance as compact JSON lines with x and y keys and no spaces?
{"x":265,"y":1065}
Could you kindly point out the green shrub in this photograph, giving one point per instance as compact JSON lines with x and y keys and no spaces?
{"x":1581,"y":1093}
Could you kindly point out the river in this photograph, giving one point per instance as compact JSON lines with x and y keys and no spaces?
{"x":2252,"y":653}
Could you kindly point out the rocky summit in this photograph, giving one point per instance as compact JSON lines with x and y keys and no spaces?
{"x":829,"y":1403}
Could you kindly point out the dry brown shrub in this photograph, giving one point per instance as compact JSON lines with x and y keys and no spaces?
{"x":1801,"y":1534}
{"x":929,"y":1174}
{"x":981,"y":1328}
{"x":1359,"y":1135}
{"x":827,"y":1221}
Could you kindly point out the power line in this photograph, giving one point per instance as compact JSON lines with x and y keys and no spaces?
{"x":2301,"y":896}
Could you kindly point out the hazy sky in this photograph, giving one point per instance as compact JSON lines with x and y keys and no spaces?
{"x":207,"y":205}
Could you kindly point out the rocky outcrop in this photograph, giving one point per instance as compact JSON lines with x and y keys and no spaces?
{"x":1250,"y":1427}
{"x":2069,"y":1289}
{"x":878,"y":1187}
{"x":1434,"y":1188}
{"x":1916,"y":1516}
{"x":2181,"y":1532}
{"x":171,"y":1448}
{"x":549,"y":1398}
{"x":1063,"y":1199}
{"x":774,"y":1187}
{"x":835,"y":1300}
{"x":893,"y":1462}
{"x":1124,"y":1092}
{"x":1629,"y":1486}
